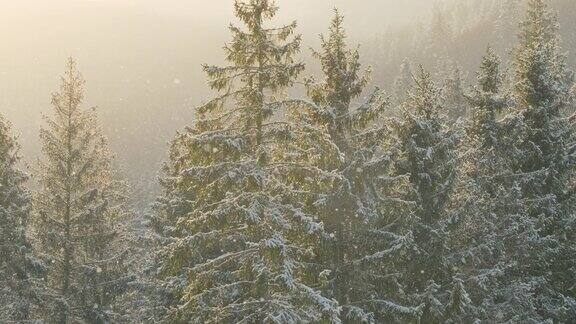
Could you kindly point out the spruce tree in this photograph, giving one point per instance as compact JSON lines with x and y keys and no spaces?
{"x":488,"y":100}
{"x":486,"y":239}
{"x":453,"y":94}
{"x":428,"y":157}
{"x":232,"y":212}
{"x":19,"y":270}
{"x":362,"y":209}
{"x":517,"y":207}
{"x":547,"y":166}
{"x":80,"y":211}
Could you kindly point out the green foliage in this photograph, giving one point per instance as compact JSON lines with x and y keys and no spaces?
{"x":428,"y":158}
{"x":542,"y":93}
{"x":362,"y":207}
{"x":80,"y":211}
{"x":19,"y":270}
{"x":516,"y":199}
{"x":234,"y":192}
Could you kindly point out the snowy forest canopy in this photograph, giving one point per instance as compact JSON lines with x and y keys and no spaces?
{"x":428,"y":176}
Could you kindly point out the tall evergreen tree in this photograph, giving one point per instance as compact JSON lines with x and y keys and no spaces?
{"x":428,"y":157}
{"x":79,"y":211}
{"x":453,"y":94}
{"x":489,"y":222}
{"x":19,"y":287}
{"x":362,"y":209}
{"x":233,"y":211}
{"x":488,"y":100}
{"x":542,"y":92}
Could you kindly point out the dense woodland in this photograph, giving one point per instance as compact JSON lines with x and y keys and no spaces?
{"x":448,"y":198}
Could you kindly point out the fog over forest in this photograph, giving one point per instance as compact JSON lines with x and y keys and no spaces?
{"x":288,"y":161}
{"x":142,"y":60}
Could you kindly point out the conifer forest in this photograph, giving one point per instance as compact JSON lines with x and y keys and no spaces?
{"x":288,"y":161}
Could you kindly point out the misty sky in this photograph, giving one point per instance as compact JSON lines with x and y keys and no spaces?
{"x":141,"y":58}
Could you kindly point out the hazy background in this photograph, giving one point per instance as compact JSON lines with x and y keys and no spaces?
{"x":141,"y":60}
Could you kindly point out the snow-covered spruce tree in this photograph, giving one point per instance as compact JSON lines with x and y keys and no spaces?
{"x":79,"y":211}
{"x":453,"y":94}
{"x":485,"y":235}
{"x":361,"y":209}
{"x":542,"y":86}
{"x":233,"y":214}
{"x":488,"y":101}
{"x":175,"y":202}
{"x":428,"y":158}
{"x":18,"y":267}
{"x":144,"y":300}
